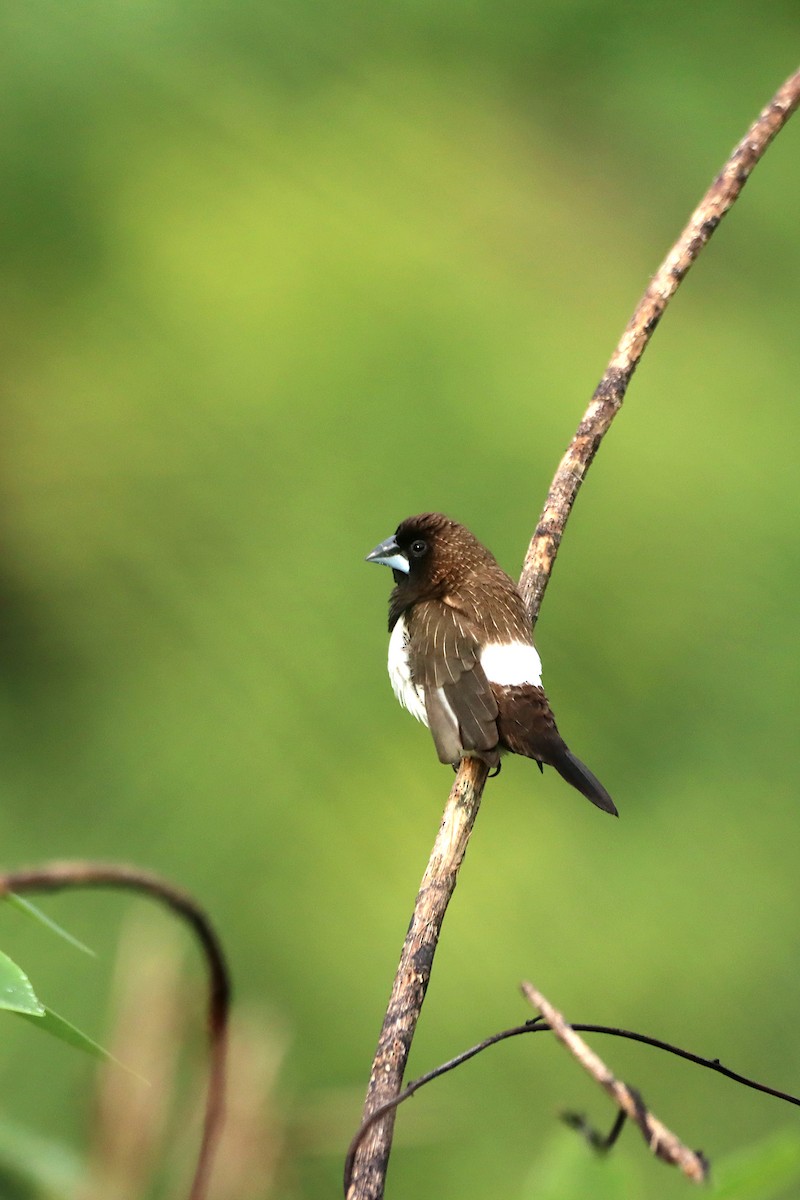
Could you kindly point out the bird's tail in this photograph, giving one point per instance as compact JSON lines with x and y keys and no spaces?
{"x":572,"y":769}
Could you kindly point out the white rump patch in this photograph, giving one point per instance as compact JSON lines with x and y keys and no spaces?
{"x":512,"y":664}
{"x":408,"y":693}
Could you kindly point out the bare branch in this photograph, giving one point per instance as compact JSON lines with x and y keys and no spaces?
{"x":610,"y":391}
{"x":366,"y":1180}
{"x":663,"y":1143}
{"x":372,"y":1156}
{"x":57,"y":876}
{"x":539,"y":1025}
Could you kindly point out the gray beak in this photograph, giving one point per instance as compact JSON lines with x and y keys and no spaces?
{"x":389,"y":554}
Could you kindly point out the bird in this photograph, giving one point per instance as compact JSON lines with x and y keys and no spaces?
{"x":461,"y":653}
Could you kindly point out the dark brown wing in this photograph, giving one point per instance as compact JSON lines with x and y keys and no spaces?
{"x":526,"y":724}
{"x":444,"y":657}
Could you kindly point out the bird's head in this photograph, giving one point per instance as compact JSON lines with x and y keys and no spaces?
{"x":430,"y":555}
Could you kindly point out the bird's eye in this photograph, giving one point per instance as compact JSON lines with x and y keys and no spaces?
{"x":418,"y":548}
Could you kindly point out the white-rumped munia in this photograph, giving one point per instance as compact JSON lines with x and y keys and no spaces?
{"x":461,"y":654}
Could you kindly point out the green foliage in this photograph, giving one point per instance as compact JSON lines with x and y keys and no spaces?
{"x":33,"y":1167}
{"x":35,"y":913}
{"x":567,"y":1167}
{"x":50,"y":1022}
{"x":16,"y":992}
{"x":770,"y":1168}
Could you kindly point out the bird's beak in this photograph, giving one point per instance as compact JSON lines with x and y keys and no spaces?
{"x":390,"y":555}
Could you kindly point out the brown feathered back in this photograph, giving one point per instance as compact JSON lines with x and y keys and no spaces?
{"x":461,"y":572}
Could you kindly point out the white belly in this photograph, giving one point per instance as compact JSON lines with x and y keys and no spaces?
{"x":408,"y":693}
{"x":510,"y":665}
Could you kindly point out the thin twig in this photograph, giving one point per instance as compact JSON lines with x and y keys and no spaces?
{"x":372,"y":1157}
{"x":662,"y":1141}
{"x":56,"y":876}
{"x":539,"y":1025}
{"x":601,"y":1142}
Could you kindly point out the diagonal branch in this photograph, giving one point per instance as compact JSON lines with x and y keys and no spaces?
{"x":372,"y":1157}
{"x":662,"y":1141}
{"x":610,"y":391}
{"x":368,"y":1174}
{"x":539,"y":1025}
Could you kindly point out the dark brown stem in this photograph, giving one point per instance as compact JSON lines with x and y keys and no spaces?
{"x":602,"y":1142}
{"x":56,"y":876}
{"x":371,"y":1159}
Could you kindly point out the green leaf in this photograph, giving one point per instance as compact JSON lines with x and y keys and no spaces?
{"x":16,"y":992}
{"x":31,"y":910}
{"x":33,"y":1165}
{"x":566,"y":1166}
{"x":65,"y":1031}
{"x":769,"y":1168}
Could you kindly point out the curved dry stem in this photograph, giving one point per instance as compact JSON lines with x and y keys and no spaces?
{"x":371,"y":1159}
{"x":57,"y":876}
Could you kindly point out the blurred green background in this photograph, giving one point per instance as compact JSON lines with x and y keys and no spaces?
{"x":273,"y":278}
